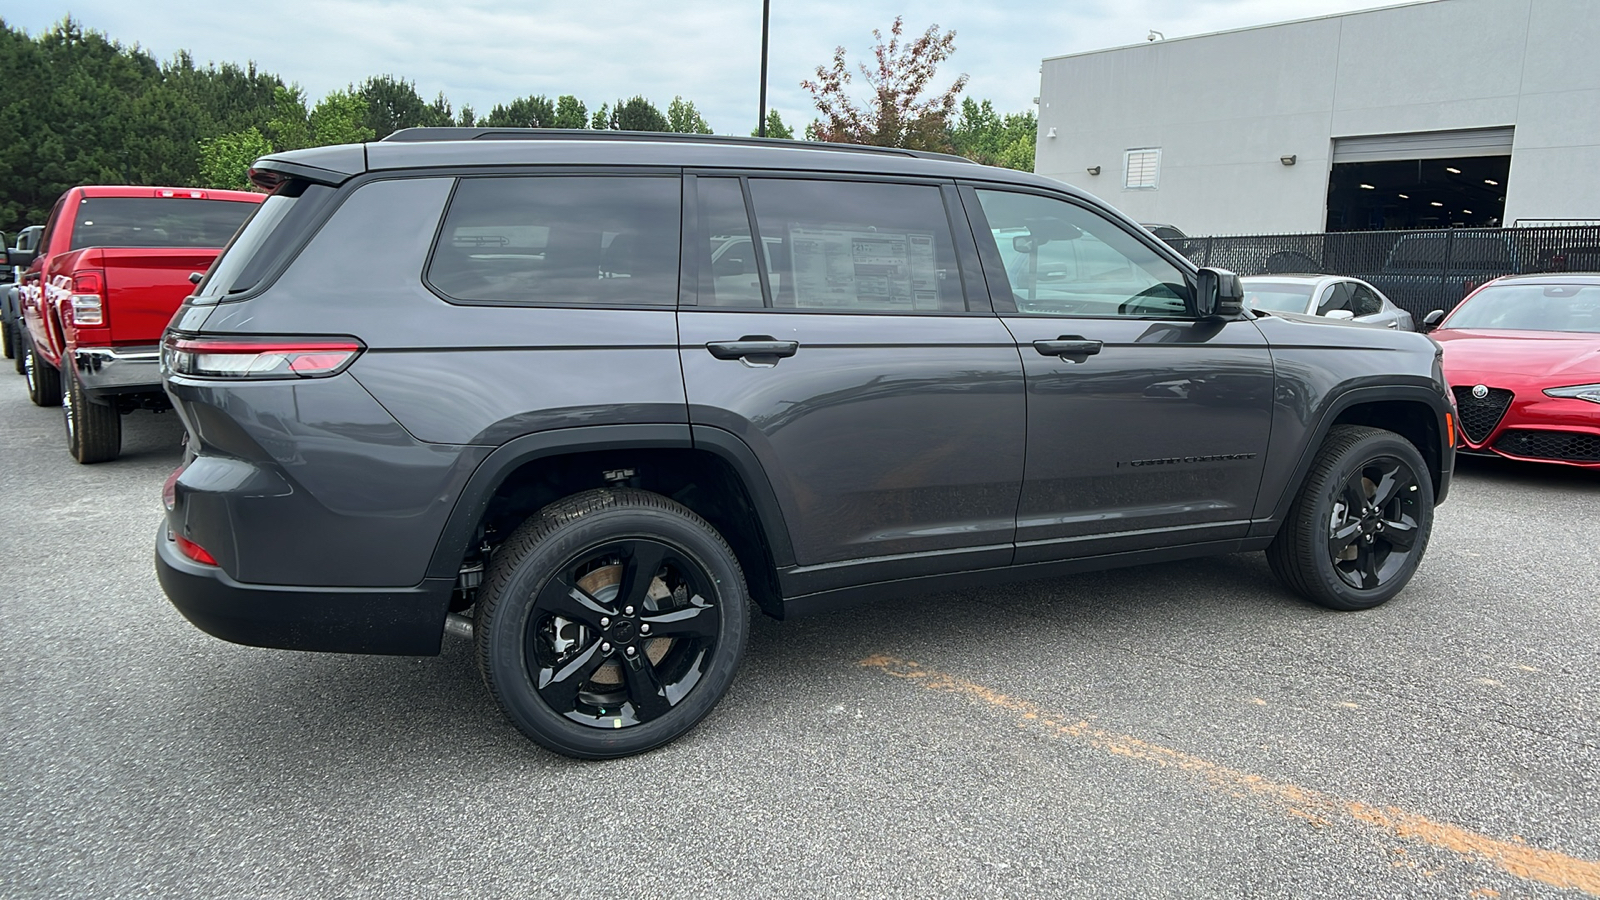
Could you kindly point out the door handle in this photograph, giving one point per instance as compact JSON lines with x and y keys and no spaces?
{"x":1067,"y":345}
{"x":757,"y":349}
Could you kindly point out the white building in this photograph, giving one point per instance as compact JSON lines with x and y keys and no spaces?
{"x":1445,"y":112}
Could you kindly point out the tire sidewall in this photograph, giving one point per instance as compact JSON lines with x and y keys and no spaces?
{"x":505,"y":645}
{"x":1321,"y":511}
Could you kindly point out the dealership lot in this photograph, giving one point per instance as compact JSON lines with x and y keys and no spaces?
{"x":1180,"y":730}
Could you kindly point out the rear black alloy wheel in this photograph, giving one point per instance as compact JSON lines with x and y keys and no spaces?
{"x":1360,"y":525}
{"x":44,"y":381}
{"x":611,"y":623}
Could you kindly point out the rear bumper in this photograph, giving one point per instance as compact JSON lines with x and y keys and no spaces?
{"x":106,"y":371}
{"x":396,"y":621}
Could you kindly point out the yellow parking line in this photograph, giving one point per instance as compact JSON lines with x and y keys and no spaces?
{"x":1546,"y":866}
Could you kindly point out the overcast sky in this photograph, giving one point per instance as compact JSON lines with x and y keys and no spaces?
{"x":481,"y":52}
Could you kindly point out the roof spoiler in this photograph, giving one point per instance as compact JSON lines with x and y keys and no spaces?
{"x":332,"y":166}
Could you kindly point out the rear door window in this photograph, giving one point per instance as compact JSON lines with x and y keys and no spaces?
{"x":560,"y":240}
{"x":848,"y":246}
{"x":278,"y":225}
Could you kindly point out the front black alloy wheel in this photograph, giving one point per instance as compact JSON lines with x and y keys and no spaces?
{"x":611,"y":623}
{"x":1358,"y":529}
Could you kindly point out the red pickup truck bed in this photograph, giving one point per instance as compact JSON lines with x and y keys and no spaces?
{"x":113,"y":266}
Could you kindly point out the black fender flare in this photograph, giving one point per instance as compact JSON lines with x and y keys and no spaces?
{"x":1356,"y":396}
{"x":487,"y":477}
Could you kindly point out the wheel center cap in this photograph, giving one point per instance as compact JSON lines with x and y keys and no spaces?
{"x":623,"y":631}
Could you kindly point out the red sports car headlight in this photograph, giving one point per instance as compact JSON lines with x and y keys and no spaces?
{"x":1589,"y":392}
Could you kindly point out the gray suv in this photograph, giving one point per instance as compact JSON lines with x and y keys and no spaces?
{"x":538,"y":388}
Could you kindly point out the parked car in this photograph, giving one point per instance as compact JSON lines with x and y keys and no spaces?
{"x":1414,"y":274}
{"x":1522,"y":356}
{"x":11,"y":331}
{"x":1333,"y":296}
{"x":111,"y":268}
{"x":591,"y":454}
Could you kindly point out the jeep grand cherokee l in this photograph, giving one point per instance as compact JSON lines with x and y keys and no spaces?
{"x":495,"y":383}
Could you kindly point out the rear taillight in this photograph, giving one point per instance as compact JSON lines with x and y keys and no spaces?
{"x":169,"y":490}
{"x":88,"y":298}
{"x":206,"y":357}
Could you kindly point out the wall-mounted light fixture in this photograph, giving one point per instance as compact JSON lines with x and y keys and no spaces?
{"x":1287,"y":160}
{"x":1094,"y":170}
{"x":1051,"y":133}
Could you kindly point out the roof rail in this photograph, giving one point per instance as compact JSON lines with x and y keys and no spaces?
{"x":584,"y":134}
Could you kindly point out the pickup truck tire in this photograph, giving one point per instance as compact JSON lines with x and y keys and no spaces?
{"x":44,"y":380}
{"x":8,"y":340}
{"x":610,"y":623}
{"x":1358,"y":528}
{"x":94,"y":430}
{"x":19,"y":348}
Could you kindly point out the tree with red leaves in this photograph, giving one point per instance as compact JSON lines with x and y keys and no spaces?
{"x":898,"y":114}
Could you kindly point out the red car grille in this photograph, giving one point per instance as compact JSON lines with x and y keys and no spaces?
{"x":1480,"y":416}
{"x":1564,"y":445}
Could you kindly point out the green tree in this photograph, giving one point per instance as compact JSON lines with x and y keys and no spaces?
{"x":467,"y":118}
{"x":523,"y":112}
{"x":775,"y":127}
{"x":393,"y":103}
{"x":339,"y":118}
{"x":602,"y":118}
{"x":683,"y":118}
{"x":985,"y":136}
{"x":637,"y":114}
{"x":225,"y":160}
{"x":571,"y":113}
{"x":902,"y":110}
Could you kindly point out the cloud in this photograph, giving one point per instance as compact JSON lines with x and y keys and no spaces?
{"x":480,"y":53}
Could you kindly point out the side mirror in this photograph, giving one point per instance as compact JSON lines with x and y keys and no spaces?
{"x":1432,"y":320}
{"x":1024,"y":244}
{"x":1218,"y":294}
{"x":1341,"y":314}
{"x":23,"y":258}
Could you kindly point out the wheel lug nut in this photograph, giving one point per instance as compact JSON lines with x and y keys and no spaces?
{"x":630,"y":651}
{"x":627,"y":610}
{"x":605,"y":647}
{"x":604,"y":622}
{"x":644,"y":629}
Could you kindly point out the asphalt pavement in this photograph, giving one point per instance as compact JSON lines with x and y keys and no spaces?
{"x":1182,"y":730}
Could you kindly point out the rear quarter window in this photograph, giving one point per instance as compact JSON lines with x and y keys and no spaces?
{"x":606,"y":240}
{"x":277,"y":226}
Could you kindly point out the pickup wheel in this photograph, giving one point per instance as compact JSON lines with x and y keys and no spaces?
{"x":94,"y":430}
{"x":1359,"y":527}
{"x":610,"y":623}
{"x":44,"y":380}
{"x":8,"y":340}
{"x":19,"y":347}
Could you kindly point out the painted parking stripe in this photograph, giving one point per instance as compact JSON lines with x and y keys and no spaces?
{"x":1545,"y":866}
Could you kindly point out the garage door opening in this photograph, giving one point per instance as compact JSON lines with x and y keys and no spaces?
{"x":1425,"y":179}
{"x":1419,"y":193}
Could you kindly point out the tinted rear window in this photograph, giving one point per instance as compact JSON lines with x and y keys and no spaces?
{"x":157,"y":222}
{"x":578,"y":239}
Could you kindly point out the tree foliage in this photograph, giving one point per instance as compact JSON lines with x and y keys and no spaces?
{"x":902,"y":110}
{"x":393,"y":103}
{"x":523,"y":112}
{"x":983,"y":135}
{"x":775,"y":127}
{"x":683,"y":118}
{"x":637,"y":114}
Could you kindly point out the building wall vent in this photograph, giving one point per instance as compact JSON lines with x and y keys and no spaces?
{"x":1141,"y":169}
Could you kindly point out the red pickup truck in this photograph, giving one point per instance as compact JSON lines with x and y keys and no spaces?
{"x":111,"y":268}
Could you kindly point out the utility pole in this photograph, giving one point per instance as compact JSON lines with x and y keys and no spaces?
{"x":766,"y":13}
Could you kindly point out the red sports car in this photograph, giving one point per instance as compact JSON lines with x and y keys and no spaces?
{"x":1522,"y":355}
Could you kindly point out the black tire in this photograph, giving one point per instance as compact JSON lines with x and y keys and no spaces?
{"x":1357,"y":531}
{"x":8,"y":339}
{"x":19,"y":347}
{"x":582,"y":653}
{"x":94,"y":430}
{"x":44,"y":380}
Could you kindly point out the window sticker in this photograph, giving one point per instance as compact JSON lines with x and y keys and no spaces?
{"x":837,"y":267}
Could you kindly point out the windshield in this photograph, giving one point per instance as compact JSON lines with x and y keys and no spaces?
{"x":1531,"y":307}
{"x":157,"y":222}
{"x":1277,"y":296}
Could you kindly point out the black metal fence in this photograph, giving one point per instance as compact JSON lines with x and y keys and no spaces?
{"x":1418,"y":270}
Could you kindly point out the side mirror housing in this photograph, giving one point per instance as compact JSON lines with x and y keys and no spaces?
{"x":23,"y":258}
{"x":1218,"y":294}
{"x":1432,"y":320}
{"x":1341,"y":314}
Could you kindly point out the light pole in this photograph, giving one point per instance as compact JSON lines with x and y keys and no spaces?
{"x":766,"y":12}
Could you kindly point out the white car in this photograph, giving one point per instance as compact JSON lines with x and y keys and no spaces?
{"x":1334,"y":296}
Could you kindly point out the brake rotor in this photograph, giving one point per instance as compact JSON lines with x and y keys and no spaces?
{"x":602,"y":584}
